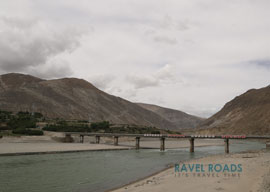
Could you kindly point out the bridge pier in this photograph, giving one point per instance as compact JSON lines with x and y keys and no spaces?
{"x":191,"y":148}
{"x":115,"y":140}
{"x":162,"y":143}
{"x":137,"y":142}
{"x":68,"y":138}
{"x":81,"y":138}
{"x":226,"y":143}
{"x":97,"y":139}
{"x":267,"y":145}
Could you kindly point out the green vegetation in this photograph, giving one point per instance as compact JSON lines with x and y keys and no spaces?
{"x":27,"y":132}
{"x":22,"y":120}
{"x":5,"y":116}
{"x":20,"y":123}
{"x":25,"y":123}
{"x":134,"y":129}
{"x":104,"y":125}
{"x":101,"y":127}
{"x":64,"y":126}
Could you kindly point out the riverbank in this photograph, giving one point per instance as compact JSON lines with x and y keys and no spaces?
{"x":255,"y":176}
{"x":28,"y":145}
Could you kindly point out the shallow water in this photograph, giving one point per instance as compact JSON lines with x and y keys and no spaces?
{"x":95,"y":171}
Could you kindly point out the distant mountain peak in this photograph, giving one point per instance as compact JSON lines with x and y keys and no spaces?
{"x":181,"y":119}
{"x":75,"y":83}
{"x":17,"y":79}
{"x":248,"y":113}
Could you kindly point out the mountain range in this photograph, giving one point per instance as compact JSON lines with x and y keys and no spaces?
{"x":77,"y":99}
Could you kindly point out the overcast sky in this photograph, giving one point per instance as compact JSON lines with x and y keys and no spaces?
{"x":191,"y":55}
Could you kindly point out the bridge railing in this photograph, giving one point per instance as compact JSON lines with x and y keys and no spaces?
{"x":170,"y":135}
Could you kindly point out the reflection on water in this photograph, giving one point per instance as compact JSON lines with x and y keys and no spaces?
{"x":94,"y":171}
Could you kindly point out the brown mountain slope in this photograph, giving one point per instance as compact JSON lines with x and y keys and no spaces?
{"x":178,"y":118}
{"x":248,"y":113}
{"x":72,"y":98}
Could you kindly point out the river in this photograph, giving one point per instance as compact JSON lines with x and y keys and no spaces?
{"x":97,"y":170}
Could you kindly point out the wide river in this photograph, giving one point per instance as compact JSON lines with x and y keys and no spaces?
{"x":95,"y":171}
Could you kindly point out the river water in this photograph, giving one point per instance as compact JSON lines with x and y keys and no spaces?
{"x":95,"y":171}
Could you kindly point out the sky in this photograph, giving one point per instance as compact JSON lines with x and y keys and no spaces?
{"x":193,"y":56}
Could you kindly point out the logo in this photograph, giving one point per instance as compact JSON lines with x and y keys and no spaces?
{"x":208,"y":170}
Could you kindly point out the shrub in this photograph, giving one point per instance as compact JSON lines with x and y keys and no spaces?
{"x":37,"y":115}
{"x":5,"y":128}
{"x":155,"y":132}
{"x":27,"y":132}
{"x":67,"y":128}
{"x":100,"y":125}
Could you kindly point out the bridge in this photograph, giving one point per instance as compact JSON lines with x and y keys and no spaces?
{"x":162,"y":138}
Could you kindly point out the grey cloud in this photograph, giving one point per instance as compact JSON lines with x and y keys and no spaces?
{"x":170,"y":23}
{"x":168,"y":28}
{"x":143,"y":82}
{"x":56,"y":69}
{"x":164,"y":39}
{"x":18,"y":23}
{"x":102,"y":81}
{"x":264,"y":63}
{"x":130,"y":93}
{"x":213,"y":54}
{"x":114,"y":90}
{"x":167,"y":22}
{"x":204,"y":113}
{"x":25,"y":44}
{"x":183,"y":25}
{"x":126,"y":93}
{"x":163,"y":75}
